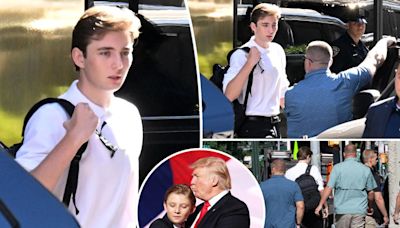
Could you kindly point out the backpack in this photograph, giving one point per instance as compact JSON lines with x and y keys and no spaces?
{"x":72,"y":180}
{"x":309,"y":190}
{"x":218,"y":77}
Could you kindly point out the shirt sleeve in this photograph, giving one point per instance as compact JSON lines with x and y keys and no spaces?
{"x":332,"y":178}
{"x":284,"y":84}
{"x":371,"y":184}
{"x":318,"y":178}
{"x":236,"y":62}
{"x":377,"y":181}
{"x":356,"y":78}
{"x":43,"y":132}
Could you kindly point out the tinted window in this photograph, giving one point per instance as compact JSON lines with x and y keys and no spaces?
{"x":300,"y":28}
{"x":162,"y":80}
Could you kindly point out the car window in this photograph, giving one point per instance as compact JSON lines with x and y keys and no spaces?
{"x":300,"y":28}
{"x":162,"y":80}
{"x":163,"y":2}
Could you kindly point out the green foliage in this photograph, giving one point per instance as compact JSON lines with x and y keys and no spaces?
{"x":12,"y":128}
{"x":218,"y":55}
{"x":300,"y":49}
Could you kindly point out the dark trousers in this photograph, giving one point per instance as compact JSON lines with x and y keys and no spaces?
{"x":259,"y":127}
{"x":311,"y":220}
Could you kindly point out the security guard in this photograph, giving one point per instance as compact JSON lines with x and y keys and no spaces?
{"x":349,"y":50}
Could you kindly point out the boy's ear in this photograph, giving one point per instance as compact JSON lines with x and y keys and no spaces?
{"x":253,"y":26}
{"x":78,"y":57}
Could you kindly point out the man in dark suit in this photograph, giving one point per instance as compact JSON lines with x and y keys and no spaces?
{"x":211,"y":183}
{"x":383,"y":118}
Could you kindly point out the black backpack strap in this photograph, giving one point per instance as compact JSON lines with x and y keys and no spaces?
{"x":250,"y":80}
{"x":308,"y":169}
{"x":72,"y":180}
{"x":68,"y":107}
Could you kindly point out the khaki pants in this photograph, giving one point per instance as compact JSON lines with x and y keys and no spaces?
{"x":370,"y":222}
{"x":350,"y":221}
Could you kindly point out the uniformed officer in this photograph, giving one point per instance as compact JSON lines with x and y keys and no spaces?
{"x":349,"y":50}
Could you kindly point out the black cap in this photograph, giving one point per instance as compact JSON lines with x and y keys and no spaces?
{"x":357,"y":18}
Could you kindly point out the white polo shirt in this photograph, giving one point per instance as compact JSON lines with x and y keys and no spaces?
{"x":269,"y":78}
{"x":107,"y":193}
{"x":300,"y":168}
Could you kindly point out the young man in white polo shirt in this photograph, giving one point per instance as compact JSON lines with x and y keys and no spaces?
{"x":102,"y":45}
{"x":269,"y":78}
{"x":304,"y":156}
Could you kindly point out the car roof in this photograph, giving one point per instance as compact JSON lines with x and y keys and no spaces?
{"x":166,"y":15}
{"x":299,"y":14}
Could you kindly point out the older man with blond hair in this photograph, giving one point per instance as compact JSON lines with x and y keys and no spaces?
{"x":211,"y":182}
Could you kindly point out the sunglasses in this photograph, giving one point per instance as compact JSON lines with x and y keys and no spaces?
{"x":105,"y":142}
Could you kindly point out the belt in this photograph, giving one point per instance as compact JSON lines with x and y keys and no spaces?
{"x":272,"y":119}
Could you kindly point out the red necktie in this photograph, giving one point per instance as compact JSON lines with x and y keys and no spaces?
{"x":202,"y":213}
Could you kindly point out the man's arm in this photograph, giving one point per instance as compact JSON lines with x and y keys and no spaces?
{"x":234,"y":87}
{"x":325,"y":211}
{"x":325,"y":194}
{"x":299,"y":212}
{"x":381,"y":205}
{"x":79,"y":128}
{"x":377,"y":55}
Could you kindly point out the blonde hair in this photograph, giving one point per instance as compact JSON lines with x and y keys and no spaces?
{"x":217,"y":167}
{"x":264,"y":9}
{"x":99,"y":20}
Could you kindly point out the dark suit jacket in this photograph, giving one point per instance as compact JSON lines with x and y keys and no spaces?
{"x":377,"y":118}
{"x":162,"y":223}
{"x":229,"y":212}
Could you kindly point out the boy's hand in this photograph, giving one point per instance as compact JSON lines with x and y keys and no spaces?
{"x":253,"y":56}
{"x":82,"y":123}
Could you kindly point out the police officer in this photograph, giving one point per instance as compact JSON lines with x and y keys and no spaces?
{"x":349,"y":50}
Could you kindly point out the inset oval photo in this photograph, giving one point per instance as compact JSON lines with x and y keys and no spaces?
{"x":201,"y":188}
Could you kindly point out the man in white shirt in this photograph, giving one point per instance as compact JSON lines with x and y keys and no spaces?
{"x":107,"y":191}
{"x":304,"y":156}
{"x":269,"y":76}
{"x":211,"y":183}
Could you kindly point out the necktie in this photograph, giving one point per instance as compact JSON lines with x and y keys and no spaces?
{"x":202,"y":213}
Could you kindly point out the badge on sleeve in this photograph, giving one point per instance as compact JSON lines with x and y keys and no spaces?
{"x":336,"y":50}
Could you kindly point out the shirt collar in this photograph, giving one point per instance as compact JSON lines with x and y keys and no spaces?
{"x":76,"y":96}
{"x":351,"y":159}
{"x":318,"y":72}
{"x":216,"y":198}
{"x":394,"y":104}
{"x":252,"y":43}
{"x":278,"y":176}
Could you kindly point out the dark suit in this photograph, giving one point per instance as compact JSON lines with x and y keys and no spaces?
{"x":162,"y":223}
{"x":229,"y":211}
{"x":377,"y":118}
